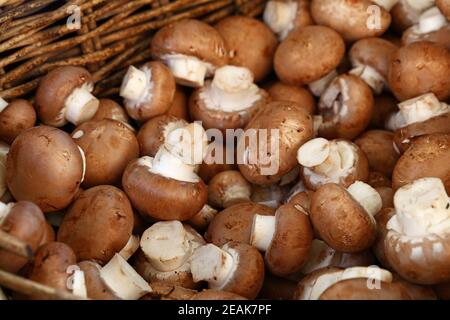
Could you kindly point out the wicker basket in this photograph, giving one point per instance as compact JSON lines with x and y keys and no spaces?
{"x":113,"y":34}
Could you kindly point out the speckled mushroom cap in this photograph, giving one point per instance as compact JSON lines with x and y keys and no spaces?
{"x":98,"y":224}
{"x":18,"y":116}
{"x":44,"y":166}
{"x":250,"y":44}
{"x":235,"y":223}
{"x":279,"y":91}
{"x":161,"y":198}
{"x":349,"y":18}
{"x":419,"y":68}
{"x":26,"y":222}
{"x":308,"y":54}
{"x":108,"y":146}
{"x":54,"y":88}
{"x":192,"y":38}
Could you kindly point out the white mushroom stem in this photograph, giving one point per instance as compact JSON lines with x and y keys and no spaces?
{"x":170,"y":166}
{"x":130,"y":248}
{"x":123,"y":280}
{"x":420,"y":5}
{"x":235,"y":193}
{"x":421,"y":208}
{"x":4,"y":149}
{"x":83,"y":158}
{"x":3,"y":104}
{"x":422,"y":108}
{"x":76,"y":282}
{"x":134,"y":84}
{"x":431,"y":20}
{"x":325,"y":281}
{"x":280,"y":17}
{"x":232,"y":89}
{"x":188,"y":70}
{"x":319,"y":86}
{"x":4,"y":211}
{"x":317,"y":123}
{"x":386,"y":4}
{"x":366,"y":196}
{"x":166,"y":245}
{"x":212,"y":264}
{"x":395,"y":121}
{"x":189,"y":143}
{"x":81,"y":105}
{"x":371,"y":76}
{"x":313,"y":152}
{"x":263,"y":230}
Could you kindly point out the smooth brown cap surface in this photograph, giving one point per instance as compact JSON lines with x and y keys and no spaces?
{"x":18,"y":116}
{"x":109,"y":109}
{"x":281,"y":92}
{"x":96,"y":288}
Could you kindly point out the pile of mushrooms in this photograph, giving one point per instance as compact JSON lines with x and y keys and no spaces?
{"x":303,"y":155}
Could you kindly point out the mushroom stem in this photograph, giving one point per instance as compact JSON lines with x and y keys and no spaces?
{"x":263,"y":230}
{"x":170,"y":166}
{"x":2,"y":295}
{"x":165,"y":245}
{"x":4,"y":211}
{"x":130,"y":248}
{"x":212,"y":264}
{"x":123,"y":280}
{"x":76,"y":282}
{"x":370,"y":76}
{"x":83,"y":158}
{"x":366,"y":196}
{"x":395,"y":121}
{"x":232,"y":89}
{"x":187,"y":70}
{"x":420,"y":5}
{"x":319,"y":86}
{"x":422,"y":108}
{"x":320,"y":256}
{"x":134,"y":84}
{"x":188,"y":143}
{"x":317,"y":123}
{"x":14,"y":245}
{"x":3,"y":104}
{"x":431,"y":20}
{"x":386,"y":4}
{"x":81,"y":105}
{"x":280,"y":17}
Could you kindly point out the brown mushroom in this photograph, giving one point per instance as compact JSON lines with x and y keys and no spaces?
{"x":235,"y":267}
{"x":95,"y":286}
{"x":407,"y":12}
{"x":428,"y":156}
{"x":378,"y":179}
{"x":98,"y":224}
{"x":220,"y":157}
{"x":419,"y":68}
{"x":148,"y":91}
{"x":382,"y":218}
{"x":444,"y":6}
{"x":191,"y":49}
{"x":228,"y":188}
{"x":16,"y":117}
{"x":335,"y":161}
{"x":202,"y":219}
{"x":64,"y":94}
{"x":276,"y":288}
{"x":267,"y":149}
{"x":308,"y":54}
{"x":240,"y":31}
{"x":109,"y":109}
{"x":46,"y":167}
{"x":384,"y":106}
{"x":354,"y":20}
{"x":179,"y":107}
{"x":346,"y":107}
{"x":279,"y":91}
{"x":440,"y":36}
{"x":24,"y":221}
{"x":343,"y":218}
{"x":108,"y":146}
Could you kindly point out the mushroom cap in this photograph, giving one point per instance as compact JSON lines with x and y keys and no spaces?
{"x":276,"y":288}
{"x":387,"y":196}
{"x":222,"y":120}
{"x":308,"y":54}
{"x":25,"y":221}
{"x":309,"y":280}
{"x":108,"y":146}
{"x":179,"y":107}
{"x":419,"y":68}
{"x":214,"y":163}
{"x":96,"y":288}
{"x":444,"y":6}
{"x":403,"y":137}
{"x":291,"y":241}
{"x":295,"y":127}
{"x":154,"y":132}
{"x":50,"y":265}
{"x":49,"y":234}
{"x":240,"y":31}
{"x":279,"y":91}
{"x":384,"y":106}
{"x":217,"y":295}
{"x":441,"y":36}
{"x":161,"y":198}
{"x":235,"y":223}
{"x":162,"y":93}
{"x":53,"y":90}
{"x":357,"y":289}
{"x":428,"y":156}
{"x":374,"y":52}
{"x":18,"y":116}
{"x":382,"y":218}
{"x":379,"y":149}
{"x":192,"y":38}
{"x":340,"y":220}
{"x":378,"y":179}
{"x":350,"y":18}
{"x":402,"y":17}
{"x":248,"y":277}
{"x":44,"y":166}
{"x":109,"y":109}
{"x":227,"y":188}
{"x":354,"y":115}
{"x":98,"y":224}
